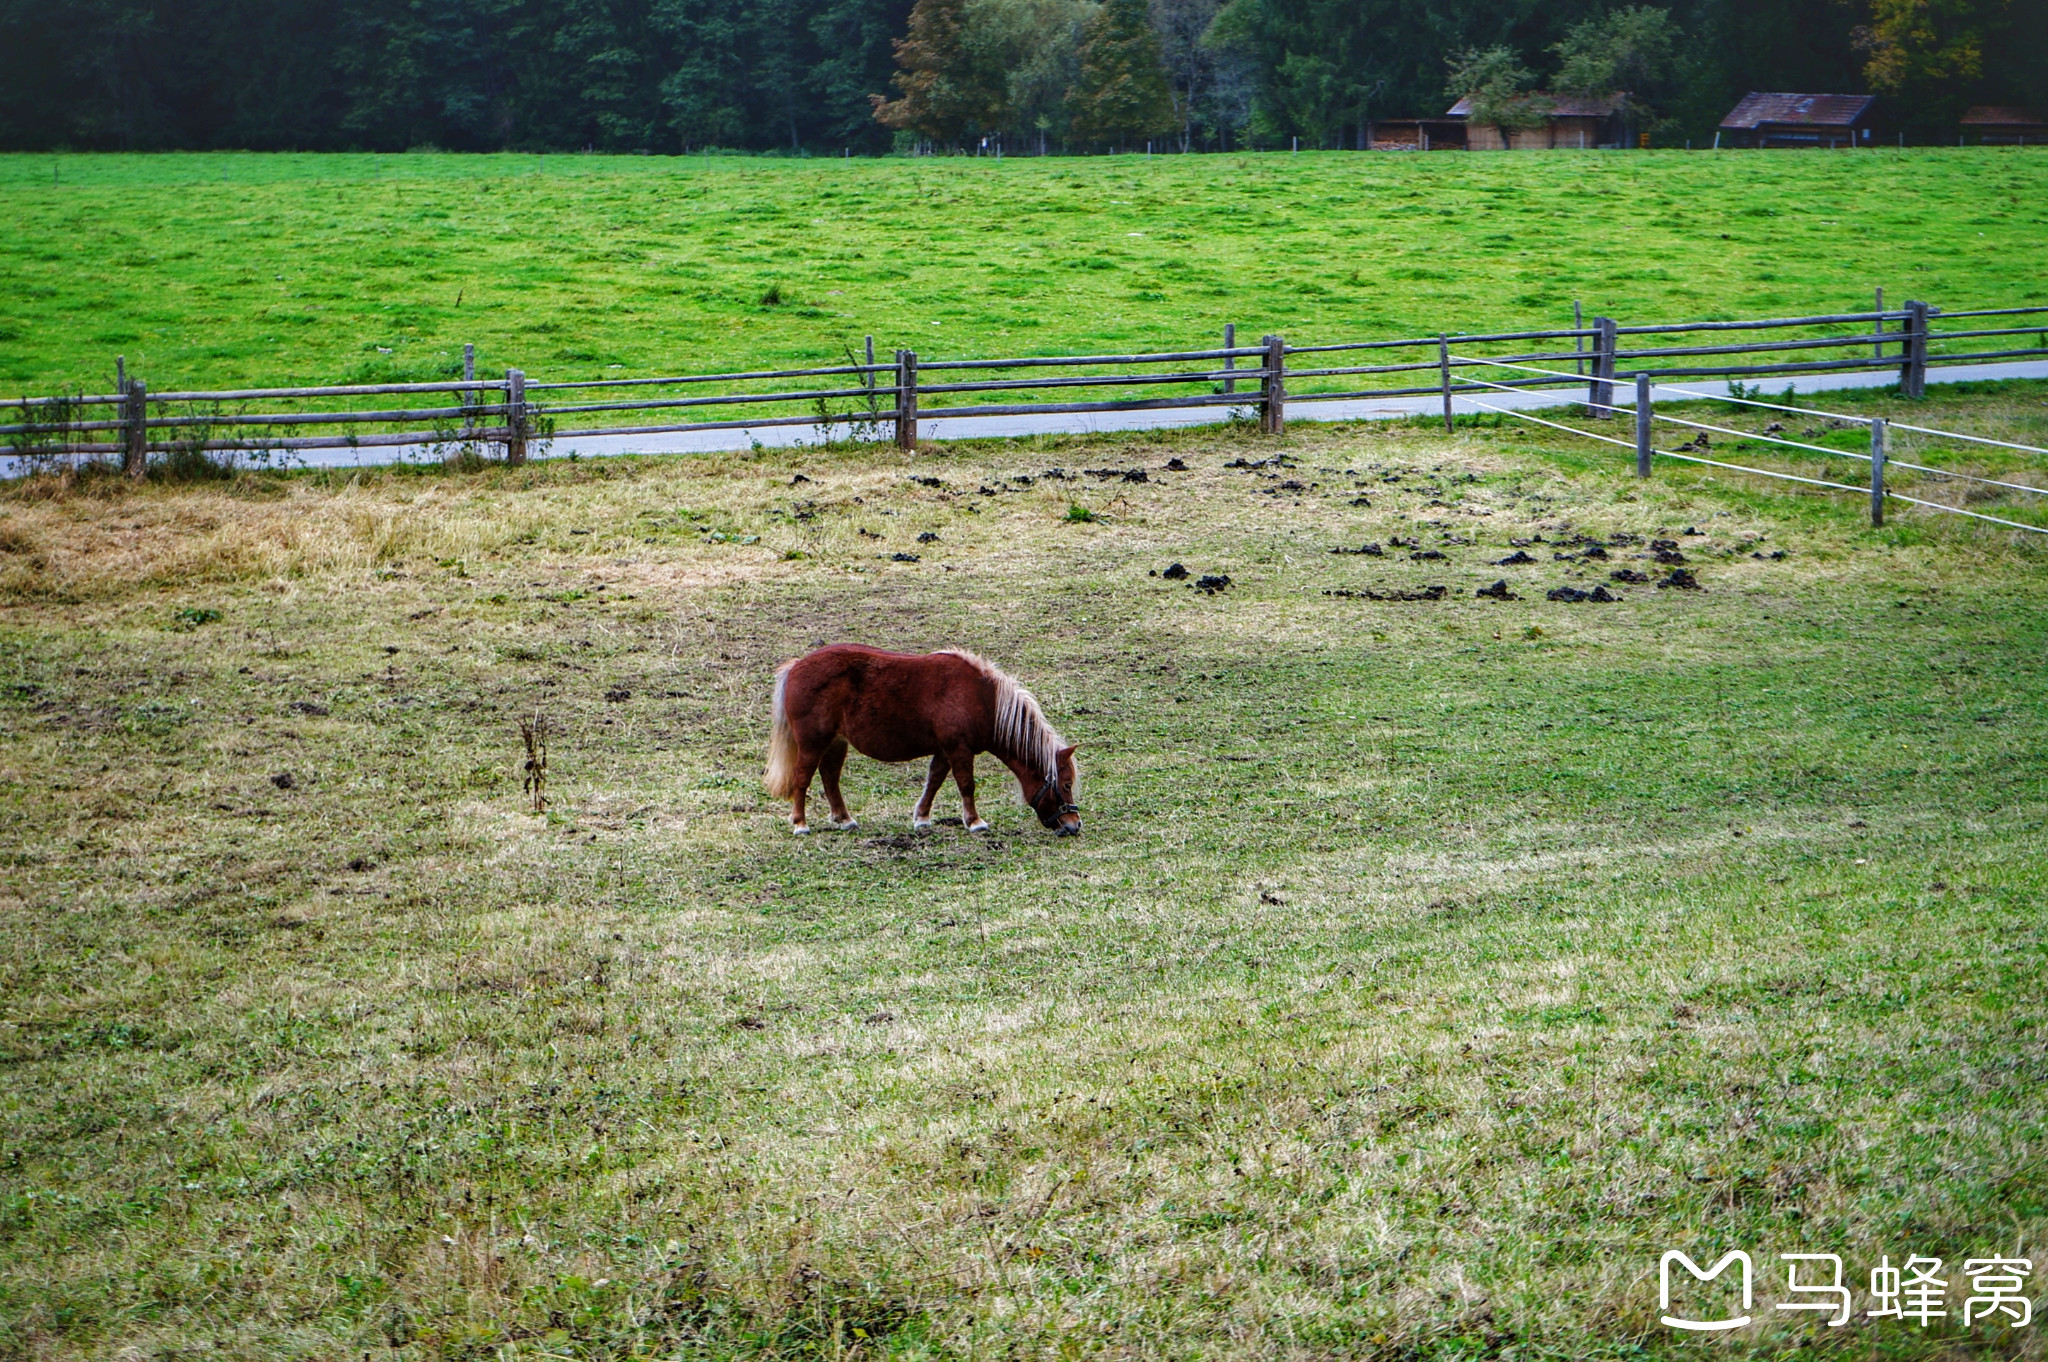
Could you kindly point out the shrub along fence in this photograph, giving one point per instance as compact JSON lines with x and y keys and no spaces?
{"x":869,"y":400}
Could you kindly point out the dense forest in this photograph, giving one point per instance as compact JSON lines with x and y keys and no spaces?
{"x":1033,"y":76}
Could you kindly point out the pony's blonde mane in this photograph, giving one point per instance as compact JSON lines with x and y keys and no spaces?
{"x":1021,"y":726}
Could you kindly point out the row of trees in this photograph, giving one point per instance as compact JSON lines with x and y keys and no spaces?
{"x":1324,"y":68}
{"x":1632,"y":57}
{"x":868,"y":75}
{"x":1034,"y":73}
{"x":615,"y":75}
{"x":1125,"y":72}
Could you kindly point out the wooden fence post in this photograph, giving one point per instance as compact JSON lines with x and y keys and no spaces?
{"x":1643,"y":415}
{"x":1877,"y":472}
{"x":515,"y":417}
{"x":1443,"y":360}
{"x":1230,"y":361}
{"x":906,"y":399}
{"x":1600,"y":392}
{"x":135,"y":413}
{"x":1913,"y":372}
{"x":469,"y":394}
{"x":1877,"y":350}
{"x":1273,"y":388}
{"x":1592,"y":407}
{"x":1578,"y":342}
{"x":868,"y":380}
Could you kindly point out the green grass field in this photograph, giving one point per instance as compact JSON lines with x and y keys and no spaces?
{"x":239,"y":269}
{"x":1426,"y":968}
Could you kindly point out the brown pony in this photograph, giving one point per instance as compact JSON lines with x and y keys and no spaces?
{"x":898,"y":707}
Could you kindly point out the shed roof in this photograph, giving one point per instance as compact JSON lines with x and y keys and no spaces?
{"x":1816,"y":111}
{"x":2003,"y":116}
{"x":1561,"y":106}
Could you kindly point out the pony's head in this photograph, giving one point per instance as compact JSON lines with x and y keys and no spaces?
{"x":1054,"y":803}
{"x":1042,"y":761}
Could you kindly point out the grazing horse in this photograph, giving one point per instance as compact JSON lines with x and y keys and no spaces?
{"x":898,"y":707}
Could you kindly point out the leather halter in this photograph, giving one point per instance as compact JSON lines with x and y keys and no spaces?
{"x":1052,"y":782}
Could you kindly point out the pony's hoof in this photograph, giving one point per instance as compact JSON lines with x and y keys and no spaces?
{"x":848,"y":826}
{"x":920,"y":824}
{"x":801,"y":830}
{"x":978,"y":825}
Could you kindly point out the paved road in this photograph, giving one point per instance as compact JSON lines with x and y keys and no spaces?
{"x":1298,"y":409}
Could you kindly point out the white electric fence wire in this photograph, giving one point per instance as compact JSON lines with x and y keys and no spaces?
{"x":1852,"y":454}
{"x":1957,"y":510}
{"x":1799,"y":444}
{"x":1752,"y":402}
{"x":1731,"y":467}
{"x":1523,"y":415}
{"x":1789,"y":477}
{"x":1630,"y":444}
{"x":1854,"y":420}
{"x":1773,"y":439}
{"x":1973,"y":439}
{"x":1576,"y":379}
{"x":1961,"y":477}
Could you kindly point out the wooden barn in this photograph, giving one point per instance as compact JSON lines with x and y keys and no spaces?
{"x":2004,"y":126}
{"x":1417,"y":134}
{"x":1571,"y":122}
{"x":1791,"y":120}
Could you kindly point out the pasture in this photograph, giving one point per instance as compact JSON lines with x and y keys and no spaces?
{"x":1426,"y":969}
{"x":223,"y":270}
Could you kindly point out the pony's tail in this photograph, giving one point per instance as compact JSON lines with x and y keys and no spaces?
{"x":781,"y":773}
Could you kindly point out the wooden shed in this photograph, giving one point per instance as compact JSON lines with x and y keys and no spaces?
{"x":1571,"y":122}
{"x":1417,"y":134}
{"x":1791,"y":120}
{"x":2005,"y":126}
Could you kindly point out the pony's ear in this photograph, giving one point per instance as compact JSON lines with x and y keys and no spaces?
{"x":1065,"y":752}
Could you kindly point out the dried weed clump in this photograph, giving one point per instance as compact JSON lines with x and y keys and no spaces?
{"x":96,"y":546}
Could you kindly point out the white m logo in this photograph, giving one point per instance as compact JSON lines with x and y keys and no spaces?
{"x":1664,"y":1288}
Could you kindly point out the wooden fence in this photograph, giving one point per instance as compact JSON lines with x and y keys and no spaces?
{"x":867,"y":400}
{"x":1876,"y":455}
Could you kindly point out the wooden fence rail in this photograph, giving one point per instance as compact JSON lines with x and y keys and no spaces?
{"x":711,"y":378}
{"x":876,"y":400}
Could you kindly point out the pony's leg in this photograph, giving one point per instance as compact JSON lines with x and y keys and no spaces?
{"x":963,"y":776}
{"x":806,"y":766}
{"x":921,"y":816}
{"x":828,"y":772}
